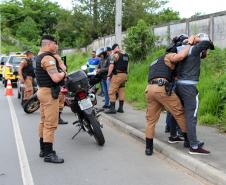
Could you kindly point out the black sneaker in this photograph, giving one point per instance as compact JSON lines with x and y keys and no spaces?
{"x":187,"y":144}
{"x":176,"y":139}
{"x":198,"y":151}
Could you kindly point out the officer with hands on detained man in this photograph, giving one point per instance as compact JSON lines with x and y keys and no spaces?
{"x":26,"y":75}
{"x":49,"y":77}
{"x":159,"y":94}
{"x":117,"y":73}
{"x":188,"y":73}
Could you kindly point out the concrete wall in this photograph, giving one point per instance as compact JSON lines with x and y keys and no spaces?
{"x":212,"y":24}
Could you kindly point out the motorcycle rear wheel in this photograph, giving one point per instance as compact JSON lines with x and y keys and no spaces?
{"x":31,"y":105}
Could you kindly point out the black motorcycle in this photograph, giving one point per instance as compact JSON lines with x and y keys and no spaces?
{"x":82,"y":101}
{"x":81,"y":98}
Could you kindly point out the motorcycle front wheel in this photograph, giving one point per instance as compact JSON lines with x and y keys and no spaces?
{"x":95,"y":129}
{"x":32,"y":104}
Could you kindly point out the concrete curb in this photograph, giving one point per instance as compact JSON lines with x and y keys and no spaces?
{"x":201,"y":169}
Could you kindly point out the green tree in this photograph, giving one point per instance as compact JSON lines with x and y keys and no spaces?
{"x":139,"y":41}
{"x":28,"y":29}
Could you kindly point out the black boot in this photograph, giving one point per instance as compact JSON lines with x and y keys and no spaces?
{"x":50,"y":155}
{"x":149,"y":146}
{"x":61,"y":122}
{"x":111,"y":109}
{"x":41,"y":154}
{"x":120,"y":109}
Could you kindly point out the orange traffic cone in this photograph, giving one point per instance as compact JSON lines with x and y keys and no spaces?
{"x":9,"y":89}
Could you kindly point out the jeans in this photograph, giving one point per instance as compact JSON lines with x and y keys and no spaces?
{"x":172,"y":124}
{"x":105,"y":91}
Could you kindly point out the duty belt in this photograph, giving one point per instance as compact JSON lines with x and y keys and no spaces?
{"x":118,"y":71}
{"x":160,"y":82}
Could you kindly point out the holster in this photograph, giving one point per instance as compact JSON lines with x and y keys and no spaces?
{"x":114,"y":72}
{"x":24,"y":76}
{"x":55,"y":91}
{"x":169,"y":88}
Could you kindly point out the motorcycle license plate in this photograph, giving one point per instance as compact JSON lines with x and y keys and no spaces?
{"x":85,"y":104}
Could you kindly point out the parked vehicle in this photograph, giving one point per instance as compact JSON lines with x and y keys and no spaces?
{"x":10,"y":69}
{"x":3,"y":60}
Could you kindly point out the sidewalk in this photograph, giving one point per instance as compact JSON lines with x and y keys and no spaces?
{"x":211,"y":167}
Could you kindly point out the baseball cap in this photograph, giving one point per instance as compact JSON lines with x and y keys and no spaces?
{"x":28,"y":52}
{"x":100,"y":51}
{"x":108,"y":48}
{"x":205,"y":37}
{"x":114,"y":46}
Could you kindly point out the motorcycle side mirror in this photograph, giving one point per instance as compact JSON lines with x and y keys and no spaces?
{"x":84,"y":67}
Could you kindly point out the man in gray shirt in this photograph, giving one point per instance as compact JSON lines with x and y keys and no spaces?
{"x":188,"y":73}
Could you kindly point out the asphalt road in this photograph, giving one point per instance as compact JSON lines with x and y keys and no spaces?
{"x":121,"y":161}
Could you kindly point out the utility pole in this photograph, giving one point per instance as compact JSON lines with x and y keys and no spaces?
{"x":0,"y":34}
{"x":118,"y":22}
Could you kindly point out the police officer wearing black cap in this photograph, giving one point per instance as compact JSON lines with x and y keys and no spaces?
{"x":117,"y":73}
{"x":49,"y":77}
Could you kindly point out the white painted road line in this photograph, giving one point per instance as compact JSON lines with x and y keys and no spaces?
{"x":24,"y":165}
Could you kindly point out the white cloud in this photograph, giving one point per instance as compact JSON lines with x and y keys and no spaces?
{"x":67,"y":4}
{"x":186,"y":8}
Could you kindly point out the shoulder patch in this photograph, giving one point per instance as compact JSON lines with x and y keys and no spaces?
{"x":52,"y":62}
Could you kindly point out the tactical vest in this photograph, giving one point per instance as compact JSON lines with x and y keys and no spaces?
{"x":122,"y":64}
{"x":28,"y":70}
{"x":42,"y":76}
{"x":158,"y":69}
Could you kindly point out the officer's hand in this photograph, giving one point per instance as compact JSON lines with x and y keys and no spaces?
{"x":98,"y":70}
{"x":191,"y":40}
{"x":21,"y":80}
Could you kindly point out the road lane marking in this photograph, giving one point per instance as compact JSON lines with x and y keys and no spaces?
{"x":24,"y":165}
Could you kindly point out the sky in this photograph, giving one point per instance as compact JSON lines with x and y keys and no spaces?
{"x":186,"y":8}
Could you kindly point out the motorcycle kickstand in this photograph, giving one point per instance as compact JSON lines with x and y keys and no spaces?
{"x":76,"y":133}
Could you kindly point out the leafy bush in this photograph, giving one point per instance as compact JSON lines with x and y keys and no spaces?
{"x":76,"y":60}
{"x":140,"y":39}
{"x":137,"y":80}
{"x":212,"y":88}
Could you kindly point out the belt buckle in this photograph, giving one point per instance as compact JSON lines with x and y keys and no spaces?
{"x":160,"y":82}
